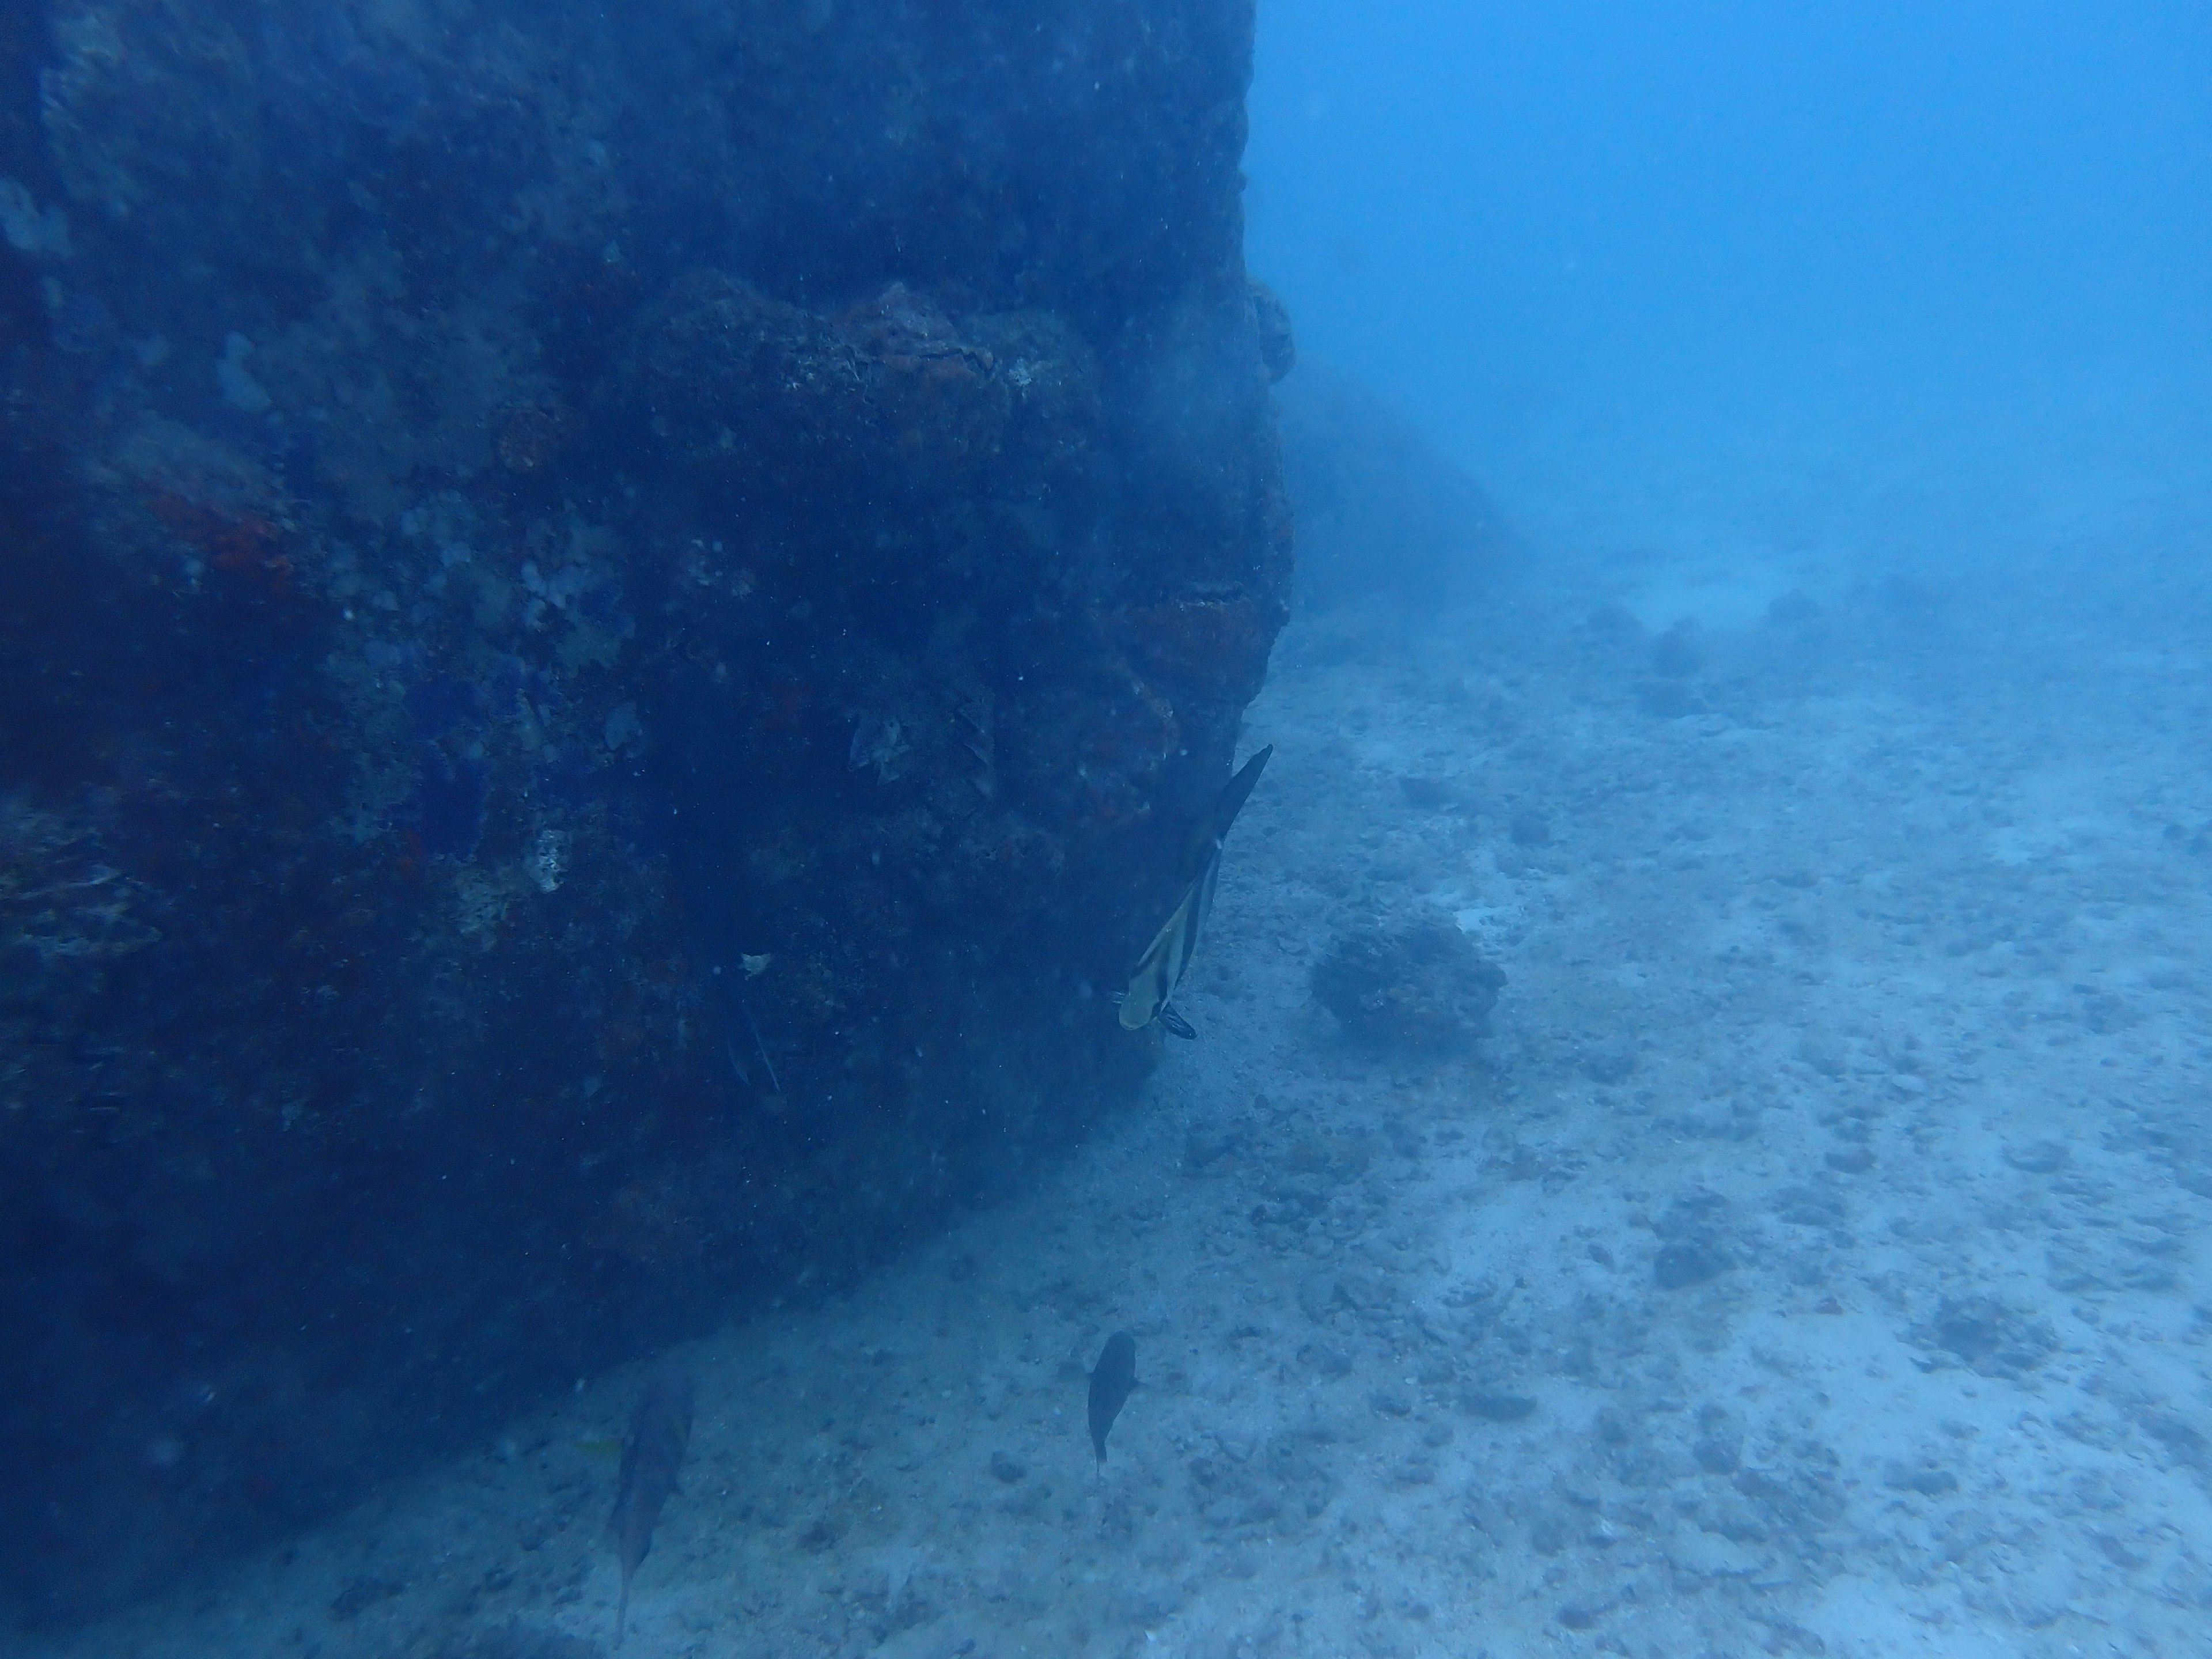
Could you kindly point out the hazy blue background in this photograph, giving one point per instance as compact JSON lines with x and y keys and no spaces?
{"x":1798,"y":288}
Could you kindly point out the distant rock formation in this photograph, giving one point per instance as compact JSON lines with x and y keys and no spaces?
{"x":1381,"y":513}
{"x":611,"y":619}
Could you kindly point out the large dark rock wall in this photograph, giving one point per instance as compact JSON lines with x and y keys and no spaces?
{"x":512,"y":510}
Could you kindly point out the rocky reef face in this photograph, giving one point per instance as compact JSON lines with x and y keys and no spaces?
{"x":610,"y":620}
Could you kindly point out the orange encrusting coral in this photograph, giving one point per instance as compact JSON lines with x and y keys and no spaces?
{"x":246,"y":544}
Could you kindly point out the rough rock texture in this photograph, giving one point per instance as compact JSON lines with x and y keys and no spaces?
{"x":1418,"y":986}
{"x":513,"y":510}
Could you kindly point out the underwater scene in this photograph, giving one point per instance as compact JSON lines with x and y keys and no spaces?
{"x":1105,"y":828}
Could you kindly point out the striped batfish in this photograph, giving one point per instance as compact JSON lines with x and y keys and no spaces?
{"x":1160,"y":970}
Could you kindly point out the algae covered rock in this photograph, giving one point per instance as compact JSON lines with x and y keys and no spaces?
{"x":516,"y":520}
{"x":1422,"y":986}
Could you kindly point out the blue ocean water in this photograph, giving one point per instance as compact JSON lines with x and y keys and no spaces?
{"x":1851,"y":284}
{"x":562,"y":1089}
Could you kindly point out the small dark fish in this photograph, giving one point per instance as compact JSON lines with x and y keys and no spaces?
{"x":659,"y":1430}
{"x":1111,"y":1379}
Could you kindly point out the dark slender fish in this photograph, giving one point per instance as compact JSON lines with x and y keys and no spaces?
{"x":1111,"y":1379}
{"x":659,"y":1430}
{"x":1160,"y":970}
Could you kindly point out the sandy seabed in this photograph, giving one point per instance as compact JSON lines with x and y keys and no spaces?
{"x":1810,"y":1262}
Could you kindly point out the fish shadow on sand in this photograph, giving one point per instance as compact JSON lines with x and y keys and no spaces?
{"x":1111,"y":1380}
{"x":653,"y":1456}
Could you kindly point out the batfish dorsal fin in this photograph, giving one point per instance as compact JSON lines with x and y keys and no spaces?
{"x":1212,"y":825}
{"x":1238,"y":790}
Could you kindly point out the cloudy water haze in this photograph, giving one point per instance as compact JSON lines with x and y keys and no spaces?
{"x":1105,"y":828}
{"x":1843,"y":285}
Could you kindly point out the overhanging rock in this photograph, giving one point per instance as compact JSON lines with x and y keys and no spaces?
{"x":611,"y":616}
